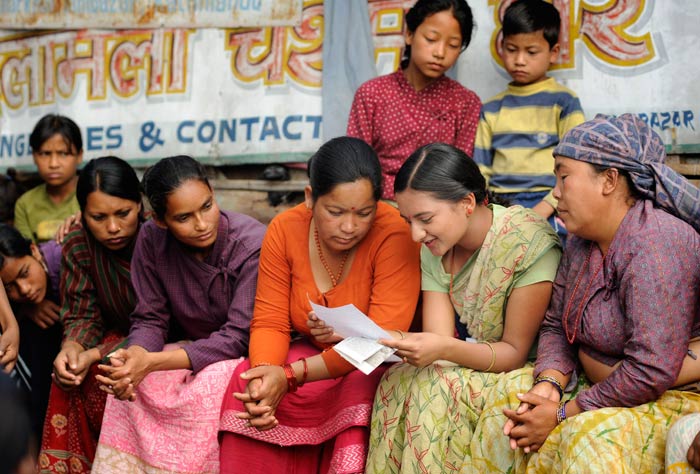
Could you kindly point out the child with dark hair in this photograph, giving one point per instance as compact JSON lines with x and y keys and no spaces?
{"x":520,"y":127}
{"x":30,"y":276}
{"x":418,"y":104}
{"x":57,"y":148}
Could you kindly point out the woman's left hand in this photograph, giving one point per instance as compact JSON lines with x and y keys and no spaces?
{"x":534,"y":425}
{"x":266,"y":387}
{"x":418,"y":348}
{"x":128,"y":368}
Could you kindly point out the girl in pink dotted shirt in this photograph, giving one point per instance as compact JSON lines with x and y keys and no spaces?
{"x":418,"y":104}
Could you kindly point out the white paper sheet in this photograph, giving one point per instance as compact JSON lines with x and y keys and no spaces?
{"x":360,"y":333}
{"x":365,"y":354}
{"x":348,"y":321}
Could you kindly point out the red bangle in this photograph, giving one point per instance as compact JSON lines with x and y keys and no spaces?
{"x":306,"y":372}
{"x":291,"y":378}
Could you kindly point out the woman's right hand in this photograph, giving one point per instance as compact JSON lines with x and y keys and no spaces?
{"x":266,"y":387}
{"x":64,"y":228}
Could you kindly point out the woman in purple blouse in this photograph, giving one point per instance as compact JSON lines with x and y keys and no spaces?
{"x":625,"y":309}
{"x":194,"y":270}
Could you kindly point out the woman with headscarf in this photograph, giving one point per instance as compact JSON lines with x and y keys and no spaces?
{"x":620,"y":329}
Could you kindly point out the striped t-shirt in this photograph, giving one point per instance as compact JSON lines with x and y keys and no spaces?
{"x":517,"y":132}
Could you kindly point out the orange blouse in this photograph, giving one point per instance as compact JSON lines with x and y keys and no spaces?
{"x":383,"y":282}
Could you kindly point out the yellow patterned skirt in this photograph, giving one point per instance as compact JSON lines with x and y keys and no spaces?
{"x":450,"y":419}
{"x":608,"y":440}
{"x":423,"y":420}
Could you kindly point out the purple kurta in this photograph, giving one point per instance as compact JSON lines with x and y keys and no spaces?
{"x":212,"y":300}
{"x":641,"y":308}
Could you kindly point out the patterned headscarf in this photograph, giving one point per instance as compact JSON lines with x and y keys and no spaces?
{"x":627,"y":143}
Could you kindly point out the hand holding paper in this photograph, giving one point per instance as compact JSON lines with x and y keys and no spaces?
{"x":359,"y":346}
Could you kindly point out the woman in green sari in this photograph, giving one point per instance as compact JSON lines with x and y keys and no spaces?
{"x":487,"y":275}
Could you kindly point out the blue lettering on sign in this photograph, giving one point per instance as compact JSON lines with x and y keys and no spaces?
{"x":114,"y":137}
{"x":101,"y":6}
{"x":248,"y":122}
{"x":316,"y":120}
{"x":14,"y":145}
{"x":230,"y":130}
{"x":180,"y":131}
{"x":285,"y":127}
{"x":666,"y":120}
{"x":270,"y":128}
{"x":249,"y":129}
{"x":206,"y":132}
{"x":248,"y":5}
{"x":103,"y":138}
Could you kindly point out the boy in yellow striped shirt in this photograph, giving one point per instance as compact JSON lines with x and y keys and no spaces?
{"x":520,"y":127}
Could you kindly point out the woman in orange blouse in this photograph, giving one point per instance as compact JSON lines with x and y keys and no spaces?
{"x":301,"y":407}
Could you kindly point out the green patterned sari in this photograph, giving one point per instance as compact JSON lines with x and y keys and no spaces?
{"x":424,"y":420}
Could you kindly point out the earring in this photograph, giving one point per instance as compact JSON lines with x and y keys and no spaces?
{"x":469,"y":211}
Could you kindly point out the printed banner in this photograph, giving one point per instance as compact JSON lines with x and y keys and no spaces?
{"x":59,"y":14}
{"x":222,"y":95}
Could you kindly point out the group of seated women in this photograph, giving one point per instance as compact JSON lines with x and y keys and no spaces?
{"x":190,"y":345}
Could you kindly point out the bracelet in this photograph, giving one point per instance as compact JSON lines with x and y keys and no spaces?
{"x":561,"y":412}
{"x":291,"y":378}
{"x":306,"y":372}
{"x":493,"y":356}
{"x":403,"y":336}
{"x":551,"y":380}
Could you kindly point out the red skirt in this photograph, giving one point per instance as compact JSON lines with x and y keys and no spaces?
{"x":72,"y":425}
{"x":323,"y":427}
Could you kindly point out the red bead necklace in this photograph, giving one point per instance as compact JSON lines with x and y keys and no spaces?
{"x":334,"y":278}
{"x":577,"y":320}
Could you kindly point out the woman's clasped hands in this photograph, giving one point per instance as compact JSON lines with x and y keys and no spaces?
{"x":529,"y":425}
{"x":267,"y":384}
{"x":126,"y":370}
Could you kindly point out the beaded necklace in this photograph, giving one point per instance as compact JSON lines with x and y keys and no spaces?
{"x":577,"y":319}
{"x":334,"y":279}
